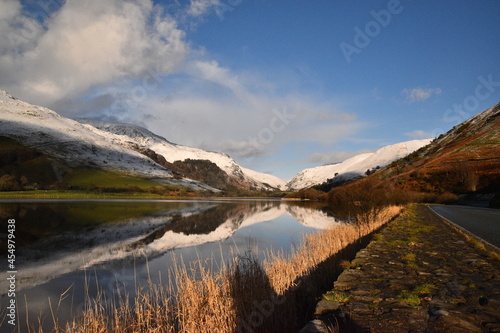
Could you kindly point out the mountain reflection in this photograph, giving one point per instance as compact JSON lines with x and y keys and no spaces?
{"x":62,"y":237}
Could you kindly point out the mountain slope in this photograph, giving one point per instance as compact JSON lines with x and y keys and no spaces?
{"x":135,"y":137}
{"x":128,"y":149}
{"x":70,"y":141}
{"x":356,"y":166}
{"x":465,"y":159}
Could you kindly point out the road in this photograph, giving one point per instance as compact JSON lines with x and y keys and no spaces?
{"x":482,"y":222}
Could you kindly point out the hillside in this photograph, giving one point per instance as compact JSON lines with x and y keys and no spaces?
{"x":46,"y":149}
{"x":463,"y":161}
{"x":354,"y":167}
{"x":466,"y":159}
{"x":138,"y":138}
{"x":27,"y":168}
{"x":67,"y":140}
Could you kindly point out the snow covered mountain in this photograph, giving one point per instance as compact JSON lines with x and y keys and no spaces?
{"x":129,"y":149}
{"x":355,"y":166}
{"x":136,"y":137}
{"x":70,"y":141}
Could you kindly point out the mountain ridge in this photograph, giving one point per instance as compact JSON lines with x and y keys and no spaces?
{"x":129,"y":149}
{"x":464,"y":159}
{"x":173,"y":152}
{"x":356,"y":166}
{"x":137,"y":152}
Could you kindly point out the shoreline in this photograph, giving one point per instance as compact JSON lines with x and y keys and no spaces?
{"x":418,"y":274}
{"x":62,"y":194}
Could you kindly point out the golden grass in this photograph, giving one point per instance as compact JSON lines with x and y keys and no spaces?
{"x":244,"y":295}
{"x":284,"y":269}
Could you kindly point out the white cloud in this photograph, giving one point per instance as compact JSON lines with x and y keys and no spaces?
{"x":201,"y":7}
{"x":420,"y":134}
{"x":9,"y":9}
{"x":420,"y":94}
{"x":93,"y":55}
{"x":226,"y":115}
{"x":88,"y":43}
{"x":213,"y":72}
{"x":19,"y":33}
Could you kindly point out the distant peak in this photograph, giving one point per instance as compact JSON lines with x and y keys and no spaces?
{"x":131,"y":130}
{"x":6,"y":94}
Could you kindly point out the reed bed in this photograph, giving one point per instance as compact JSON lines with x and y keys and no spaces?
{"x":242,"y":295}
{"x":283,"y":269}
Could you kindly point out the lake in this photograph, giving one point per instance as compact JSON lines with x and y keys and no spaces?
{"x":66,"y":250}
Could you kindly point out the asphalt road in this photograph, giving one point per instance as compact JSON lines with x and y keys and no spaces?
{"x":482,"y":222}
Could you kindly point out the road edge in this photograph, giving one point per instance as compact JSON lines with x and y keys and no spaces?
{"x":486,"y":244}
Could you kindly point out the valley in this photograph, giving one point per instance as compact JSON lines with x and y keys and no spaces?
{"x":43,"y":151}
{"x":125,"y":202}
{"x":211,"y":166}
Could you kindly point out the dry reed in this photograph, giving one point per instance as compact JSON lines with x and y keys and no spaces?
{"x":198,"y":299}
{"x":283,"y":269}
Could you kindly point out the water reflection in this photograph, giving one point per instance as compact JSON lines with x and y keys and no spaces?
{"x":85,"y":246}
{"x":56,"y":238}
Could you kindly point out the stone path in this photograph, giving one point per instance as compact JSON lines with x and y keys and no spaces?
{"x":417,"y":275}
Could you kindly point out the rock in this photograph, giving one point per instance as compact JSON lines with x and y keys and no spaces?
{"x":492,"y":327}
{"x":367,"y":299}
{"x":326,"y":306}
{"x":349,"y":275}
{"x":417,"y":319}
{"x":358,"y":261}
{"x":360,"y":292}
{"x":436,"y":310}
{"x":459,"y":323}
{"x":342,"y":285}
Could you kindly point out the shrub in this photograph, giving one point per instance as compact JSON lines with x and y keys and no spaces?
{"x":306,"y":194}
{"x":447,"y":198}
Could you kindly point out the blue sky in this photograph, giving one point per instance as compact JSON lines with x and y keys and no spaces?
{"x":278,"y":85}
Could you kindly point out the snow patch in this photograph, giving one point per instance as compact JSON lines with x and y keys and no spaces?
{"x":355,"y":166}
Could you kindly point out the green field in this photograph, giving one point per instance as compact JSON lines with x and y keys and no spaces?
{"x":68,"y":194}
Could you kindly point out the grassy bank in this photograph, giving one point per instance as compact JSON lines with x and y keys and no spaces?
{"x":67,"y":194}
{"x":82,"y":183}
{"x":83,"y":194}
{"x":241,"y":295}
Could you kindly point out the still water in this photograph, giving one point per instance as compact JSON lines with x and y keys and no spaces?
{"x":68,"y":249}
